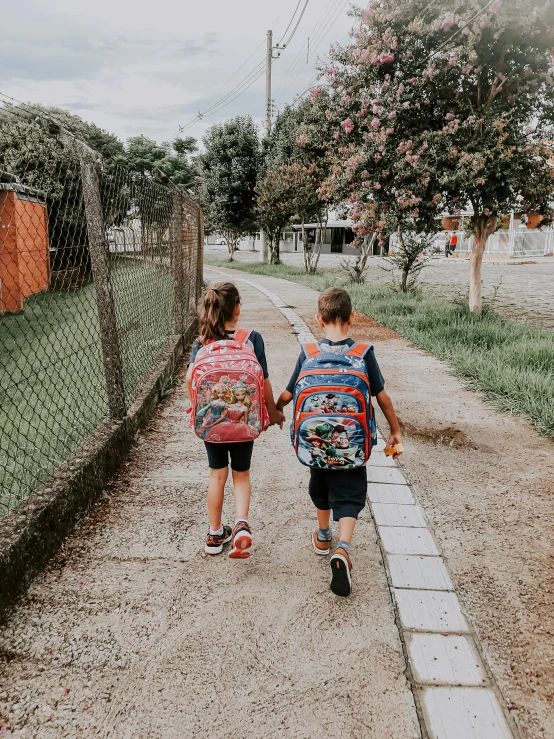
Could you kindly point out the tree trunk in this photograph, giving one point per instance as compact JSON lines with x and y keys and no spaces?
{"x":404,"y":281}
{"x":484,"y":227}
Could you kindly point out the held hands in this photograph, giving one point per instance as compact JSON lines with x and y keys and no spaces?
{"x":276,"y":418}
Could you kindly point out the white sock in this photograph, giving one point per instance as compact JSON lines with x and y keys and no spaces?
{"x":218,"y":531}
{"x":241,"y":519}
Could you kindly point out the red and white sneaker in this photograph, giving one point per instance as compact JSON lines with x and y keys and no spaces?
{"x":215,"y":542}
{"x":242,"y":541}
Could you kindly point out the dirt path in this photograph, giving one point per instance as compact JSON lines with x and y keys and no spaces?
{"x":486,"y":482}
{"x":132,"y":632}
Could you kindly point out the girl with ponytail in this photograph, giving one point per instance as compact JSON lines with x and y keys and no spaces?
{"x":219,"y":315}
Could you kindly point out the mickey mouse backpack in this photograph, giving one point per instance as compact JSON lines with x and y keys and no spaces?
{"x":228,"y":391}
{"x":333,"y":425}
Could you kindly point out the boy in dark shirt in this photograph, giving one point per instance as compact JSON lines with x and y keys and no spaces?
{"x":342,"y":491}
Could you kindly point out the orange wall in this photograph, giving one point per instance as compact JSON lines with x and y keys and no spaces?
{"x":24,"y":258}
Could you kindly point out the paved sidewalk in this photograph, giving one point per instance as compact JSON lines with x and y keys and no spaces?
{"x":132,"y":632}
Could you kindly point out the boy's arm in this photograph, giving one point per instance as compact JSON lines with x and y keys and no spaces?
{"x":275,"y":415}
{"x":284,"y":399}
{"x":395,"y":436}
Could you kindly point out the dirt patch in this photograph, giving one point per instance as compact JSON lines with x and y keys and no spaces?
{"x":448,"y":436}
{"x":366,"y":329}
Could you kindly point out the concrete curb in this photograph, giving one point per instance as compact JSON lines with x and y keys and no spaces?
{"x":35,"y":529}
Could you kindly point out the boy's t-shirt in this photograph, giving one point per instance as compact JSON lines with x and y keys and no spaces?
{"x":376,"y":381}
{"x":255,"y":341}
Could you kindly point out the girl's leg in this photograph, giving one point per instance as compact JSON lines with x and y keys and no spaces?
{"x":242,"y":491}
{"x":216,"y":488}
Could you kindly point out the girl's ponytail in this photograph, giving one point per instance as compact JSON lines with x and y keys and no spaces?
{"x":216,"y":309}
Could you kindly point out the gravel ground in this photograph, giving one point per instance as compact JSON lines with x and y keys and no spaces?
{"x":517,"y":289}
{"x":132,"y":632}
{"x":486,"y":482}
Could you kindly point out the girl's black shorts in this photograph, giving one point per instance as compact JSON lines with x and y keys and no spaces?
{"x":240,"y":454}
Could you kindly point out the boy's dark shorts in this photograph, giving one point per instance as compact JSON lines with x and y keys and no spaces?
{"x":342,"y":491}
{"x":240,"y":453}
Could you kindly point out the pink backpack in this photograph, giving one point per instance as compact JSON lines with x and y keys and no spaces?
{"x":228,"y":392}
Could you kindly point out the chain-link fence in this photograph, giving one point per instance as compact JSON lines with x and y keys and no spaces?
{"x":100,"y":269}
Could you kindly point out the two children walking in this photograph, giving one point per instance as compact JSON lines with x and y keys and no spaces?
{"x":333,"y":427}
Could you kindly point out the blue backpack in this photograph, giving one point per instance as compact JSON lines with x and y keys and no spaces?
{"x":333,"y":424}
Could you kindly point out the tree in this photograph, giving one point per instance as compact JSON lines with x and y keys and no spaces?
{"x":274,"y":207}
{"x":434,"y":110}
{"x":31,"y":150}
{"x":228,"y":173}
{"x":172,"y":158}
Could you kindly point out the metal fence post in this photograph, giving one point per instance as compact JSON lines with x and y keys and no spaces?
{"x":177,"y":246}
{"x":98,"y":247}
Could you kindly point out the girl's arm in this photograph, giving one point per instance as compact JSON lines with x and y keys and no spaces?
{"x":188,"y":381}
{"x":276,"y":416}
{"x":395,"y":436}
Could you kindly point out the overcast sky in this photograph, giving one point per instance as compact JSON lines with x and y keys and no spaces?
{"x":142,"y":67}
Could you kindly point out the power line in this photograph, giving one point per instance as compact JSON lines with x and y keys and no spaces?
{"x":297,"y":23}
{"x":290,"y":24}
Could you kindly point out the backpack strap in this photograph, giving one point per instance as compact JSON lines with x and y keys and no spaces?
{"x":358,"y":350}
{"x":311,"y":350}
{"x":241,"y":335}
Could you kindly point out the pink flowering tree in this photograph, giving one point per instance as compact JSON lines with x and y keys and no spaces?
{"x":431,"y":113}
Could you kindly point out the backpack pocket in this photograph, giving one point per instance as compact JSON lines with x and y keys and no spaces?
{"x":332,"y":441}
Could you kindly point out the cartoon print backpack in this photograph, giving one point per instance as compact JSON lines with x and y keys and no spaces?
{"x":333,"y":425}
{"x":228,"y":392}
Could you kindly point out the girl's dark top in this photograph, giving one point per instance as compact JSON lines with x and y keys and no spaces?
{"x":255,"y":340}
{"x":376,"y":381}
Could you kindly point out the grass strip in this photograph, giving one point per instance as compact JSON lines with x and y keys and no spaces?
{"x":511,"y":363}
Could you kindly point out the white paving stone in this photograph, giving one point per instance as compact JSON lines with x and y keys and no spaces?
{"x":430,"y":610}
{"x":380,"y":459}
{"x":464,"y":713}
{"x":381,"y":493}
{"x":380,"y":446}
{"x":392,"y":514}
{"x":401,"y":540}
{"x":420,"y":573}
{"x":386,"y":475}
{"x":445,"y":660}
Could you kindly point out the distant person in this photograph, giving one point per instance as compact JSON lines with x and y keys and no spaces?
{"x":336,"y":445}
{"x":447,"y":246}
{"x":453,"y":243}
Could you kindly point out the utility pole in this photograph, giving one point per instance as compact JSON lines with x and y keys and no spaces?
{"x":268,"y":104}
{"x":269,"y":60}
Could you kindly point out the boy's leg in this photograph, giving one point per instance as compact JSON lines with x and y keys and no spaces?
{"x":318,"y":489}
{"x":347,"y":496}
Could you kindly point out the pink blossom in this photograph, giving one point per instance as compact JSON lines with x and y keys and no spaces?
{"x":413,"y":81}
{"x":377,"y":186}
{"x":348,"y":125}
{"x":386,"y":57}
{"x":381,"y":149}
{"x":425,"y":145}
{"x":389,"y":131}
{"x":391,"y":116}
{"x":378,"y":157}
{"x":406,"y":105}
{"x":375,"y":123}
{"x":377,"y":109}
{"x":315,"y":92}
{"x":336,"y":135}
{"x":448,"y":21}
{"x":449,"y":117}
{"x":302,"y":140}
{"x":427,"y":102}
{"x":480,"y":181}
{"x":408,"y":55}
{"x":328,"y":115}
{"x":366,"y":183}
{"x":332,"y":72}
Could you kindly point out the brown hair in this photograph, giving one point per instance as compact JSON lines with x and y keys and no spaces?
{"x":334,"y":305}
{"x":216,"y":308}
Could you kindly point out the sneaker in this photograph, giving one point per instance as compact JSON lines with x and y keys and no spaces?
{"x":341,"y":581}
{"x":320,"y":547}
{"x":215,"y":542}
{"x":242,"y":541}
